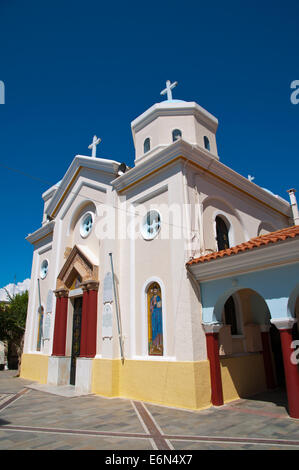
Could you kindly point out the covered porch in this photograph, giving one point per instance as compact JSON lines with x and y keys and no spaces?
{"x":250,"y":308}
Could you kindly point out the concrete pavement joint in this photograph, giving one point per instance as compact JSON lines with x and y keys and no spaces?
{"x":13,"y":398}
{"x":156,"y":437}
{"x":151,"y":426}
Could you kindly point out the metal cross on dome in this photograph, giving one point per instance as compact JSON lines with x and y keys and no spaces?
{"x":93,"y":145}
{"x":169,"y":87}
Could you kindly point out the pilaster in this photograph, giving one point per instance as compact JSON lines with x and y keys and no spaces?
{"x":284,"y":326}
{"x":212,"y":332}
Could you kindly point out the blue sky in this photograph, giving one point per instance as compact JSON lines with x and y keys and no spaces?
{"x":74,"y":69}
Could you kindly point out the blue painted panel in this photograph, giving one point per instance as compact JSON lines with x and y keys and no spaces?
{"x":279,"y":287}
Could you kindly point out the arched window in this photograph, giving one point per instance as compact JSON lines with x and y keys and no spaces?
{"x":155,"y":322}
{"x":206,"y":143}
{"x":221,"y":234}
{"x":176,"y":134}
{"x":230,"y":315}
{"x":146,"y":145}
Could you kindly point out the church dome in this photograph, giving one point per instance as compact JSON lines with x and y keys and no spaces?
{"x":270,"y":192}
{"x":170,"y":120}
{"x":172,"y":101}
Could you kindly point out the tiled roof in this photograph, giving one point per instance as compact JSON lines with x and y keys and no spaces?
{"x":272,"y":237}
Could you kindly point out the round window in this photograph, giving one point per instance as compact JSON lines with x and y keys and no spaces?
{"x":86,"y":224}
{"x":44,"y":269}
{"x":151,"y":225}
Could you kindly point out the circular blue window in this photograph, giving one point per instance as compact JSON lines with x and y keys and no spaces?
{"x":151,"y":225}
{"x":44,"y":269}
{"x":86,"y":224}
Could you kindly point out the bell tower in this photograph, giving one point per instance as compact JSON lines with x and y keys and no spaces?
{"x":165,"y":122}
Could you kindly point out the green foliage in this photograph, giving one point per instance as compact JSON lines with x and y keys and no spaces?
{"x":12,"y":324}
{"x":13,"y":317}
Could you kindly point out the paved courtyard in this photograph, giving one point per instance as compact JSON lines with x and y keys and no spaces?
{"x":33,"y":418}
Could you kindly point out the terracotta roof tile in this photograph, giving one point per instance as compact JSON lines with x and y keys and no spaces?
{"x":272,"y":237}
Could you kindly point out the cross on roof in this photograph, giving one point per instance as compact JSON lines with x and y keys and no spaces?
{"x":93,"y":145}
{"x":169,"y":87}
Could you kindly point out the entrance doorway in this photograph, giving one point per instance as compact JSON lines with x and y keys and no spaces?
{"x":76,"y":337}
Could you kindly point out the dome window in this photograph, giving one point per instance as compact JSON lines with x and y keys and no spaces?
{"x":176,"y":135}
{"x":146,"y":145}
{"x":206,"y":143}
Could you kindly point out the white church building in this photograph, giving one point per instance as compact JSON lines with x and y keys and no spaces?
{"x":115,"y":303}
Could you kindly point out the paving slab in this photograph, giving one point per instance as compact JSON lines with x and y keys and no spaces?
{"x":61,"y":390}
{"x":35,"y":417}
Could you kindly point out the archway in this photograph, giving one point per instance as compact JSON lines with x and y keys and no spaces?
{"x":246,"y":360}
{"x":78,"y":272}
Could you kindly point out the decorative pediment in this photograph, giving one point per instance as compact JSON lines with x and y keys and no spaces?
{"x":78,"y":268}
{"x":102,"y":165}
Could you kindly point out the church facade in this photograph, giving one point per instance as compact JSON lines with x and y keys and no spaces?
{"x":116,"y":306}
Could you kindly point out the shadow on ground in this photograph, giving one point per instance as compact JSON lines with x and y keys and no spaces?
{"x":277,"y":396}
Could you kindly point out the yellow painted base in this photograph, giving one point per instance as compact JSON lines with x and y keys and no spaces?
{"x":176,"y":384}
{"x":34,"y":367}
{"x":179,"y":384}
{"x":242,"y":376}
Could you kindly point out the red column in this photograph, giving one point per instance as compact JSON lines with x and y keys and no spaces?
{"x":267,"y":357}
{"x":60,"y":326}
{"x":213,"y":356}
{"x":89,"y":319}
{"x":291,"y":372}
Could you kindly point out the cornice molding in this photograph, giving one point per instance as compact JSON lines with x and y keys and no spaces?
{"x":212,"y":328}
{"x":175,"y":108}
{"x":283,"y":323}
{"x":79,"y":162}
{"x":40,"y":233}
{"x":50,"y":192}
{"x":208,"y":163}
{"x":177,"y":150}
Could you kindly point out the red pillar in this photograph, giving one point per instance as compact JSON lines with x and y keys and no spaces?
{"x":267,"y":357}
{"x":60,"y":326}
{"x":215,"y":370}
{"x":291,"y":372}
{"x":88,"y":344}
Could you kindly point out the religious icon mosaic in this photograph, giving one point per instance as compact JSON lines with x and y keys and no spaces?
{"x":155,"y":325}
